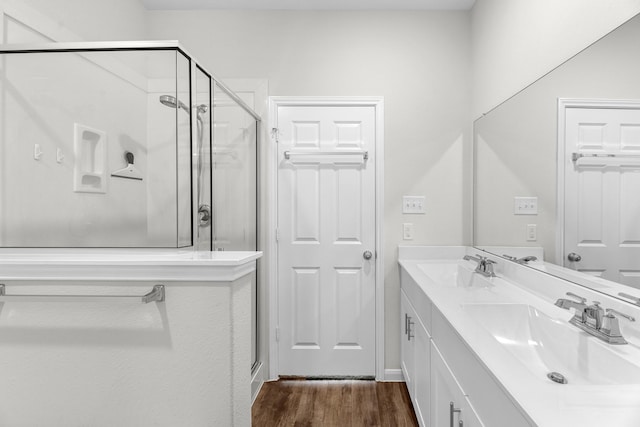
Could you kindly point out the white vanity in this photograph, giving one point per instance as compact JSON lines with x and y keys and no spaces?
{"x":476,"y":350}
{"x":81,"y":346}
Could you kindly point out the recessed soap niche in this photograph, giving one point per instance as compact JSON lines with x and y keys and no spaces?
{"x":90,"y":169}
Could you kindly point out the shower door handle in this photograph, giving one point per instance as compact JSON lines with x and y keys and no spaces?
{"x":204,"y":212}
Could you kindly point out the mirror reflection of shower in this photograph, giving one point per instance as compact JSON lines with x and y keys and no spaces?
{"x":204,"y":210}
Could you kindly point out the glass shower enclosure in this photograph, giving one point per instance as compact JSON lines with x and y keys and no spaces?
{"x":123,"y":145}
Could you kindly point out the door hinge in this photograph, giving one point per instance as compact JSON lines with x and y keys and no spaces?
{"x":277,"y":334}
{"x":277,"y":235}
{"x":274,"y":134}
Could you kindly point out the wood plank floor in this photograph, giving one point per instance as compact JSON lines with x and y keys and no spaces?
{"x":341,"y":403}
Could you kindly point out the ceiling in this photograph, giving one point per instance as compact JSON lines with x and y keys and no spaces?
{"x":310,"y":4}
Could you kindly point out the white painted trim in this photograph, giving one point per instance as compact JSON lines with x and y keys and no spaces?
{"x":378,"y":103}
{"x":560,"y":182}
{"x":393,"y":375}
{"x":271,"y":244}
{"x":563,"y":105}
{"x":257,"y":380}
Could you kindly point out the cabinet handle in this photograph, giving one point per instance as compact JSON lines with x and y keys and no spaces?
{"x":406,"y":323}
{"x":409,"y":332}
{"x":453,"y":410}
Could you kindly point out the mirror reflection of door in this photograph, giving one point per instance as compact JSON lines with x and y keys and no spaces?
{"x":602,"y":188}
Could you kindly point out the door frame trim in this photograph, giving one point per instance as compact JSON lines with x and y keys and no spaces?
{"x":563,"y":105}
{"x":272,"y":165}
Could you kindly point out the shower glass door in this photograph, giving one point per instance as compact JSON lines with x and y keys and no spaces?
{"x":234,"y":175}
{"x":235,"y":187}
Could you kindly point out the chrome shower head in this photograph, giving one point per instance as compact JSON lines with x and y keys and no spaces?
{"x":172,"y":102}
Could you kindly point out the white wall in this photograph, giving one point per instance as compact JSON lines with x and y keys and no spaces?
{"x":514,"y":42}
{"x":75,"y":20}
{"x":418,"y":61}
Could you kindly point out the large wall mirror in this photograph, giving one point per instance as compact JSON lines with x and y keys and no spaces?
{"x":557,"y":169}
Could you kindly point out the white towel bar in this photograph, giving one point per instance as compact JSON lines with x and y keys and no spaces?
{"x":156,"y":294}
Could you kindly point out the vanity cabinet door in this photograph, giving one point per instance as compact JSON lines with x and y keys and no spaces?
{"x":449,"y":405}
{"x":415,"y":359}
{"x":407,"y":321}
{"x":422,"y":373}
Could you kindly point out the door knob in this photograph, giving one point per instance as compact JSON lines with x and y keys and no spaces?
{"x":574,"y":257}
{"x":367,"y":255}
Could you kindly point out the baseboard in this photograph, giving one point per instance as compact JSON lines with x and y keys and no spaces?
{"x":257,"y":379}
{"x":393,"y":375}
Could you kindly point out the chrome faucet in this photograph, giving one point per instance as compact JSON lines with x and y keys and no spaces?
{"x":526,"y":259}
{"x":593,"y":320}
{"x":579,"y":305}
{"x":485,"y":265}
{"x":522,"y":260}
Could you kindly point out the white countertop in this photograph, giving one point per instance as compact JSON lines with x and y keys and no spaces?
{"x":125,"y":264}
{"x":546,"y":403}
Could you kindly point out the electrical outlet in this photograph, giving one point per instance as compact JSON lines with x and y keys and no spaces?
{"x":407,"y":231}
{"x":413,"y":204}
{"x":525,"y":206}
{"x":532,"y":232}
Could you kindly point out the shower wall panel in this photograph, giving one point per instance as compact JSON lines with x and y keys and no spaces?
{"x":57,"y":189}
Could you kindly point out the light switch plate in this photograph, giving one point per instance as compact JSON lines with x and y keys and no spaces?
{"x":413,"y":204}
{"x":407,"y":231}
{"x":525,"y":206}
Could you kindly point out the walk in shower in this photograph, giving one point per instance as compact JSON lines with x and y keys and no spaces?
{"x":123,"y":145}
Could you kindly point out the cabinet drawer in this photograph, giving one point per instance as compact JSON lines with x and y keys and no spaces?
{"x":419,"y":300}
{"x":492,"y":404}
{"x":449,"y":405}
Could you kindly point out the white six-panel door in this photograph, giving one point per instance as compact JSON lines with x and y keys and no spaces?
{"x":602,"y":188}
{"x":326,"y":240}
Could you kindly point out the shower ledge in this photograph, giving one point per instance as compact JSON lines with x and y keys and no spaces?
{"x":126,"y":264}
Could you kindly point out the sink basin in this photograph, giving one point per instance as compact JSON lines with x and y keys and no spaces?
{"x":544,"y":345}
{"x":454,"y":274}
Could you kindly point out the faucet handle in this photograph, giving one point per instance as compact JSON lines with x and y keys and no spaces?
{"x":611,"y":326}
{"x":578,"y":297}
{"x":612,"y":311}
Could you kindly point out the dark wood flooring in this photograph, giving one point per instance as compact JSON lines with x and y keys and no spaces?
{"x":341,"y":403}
